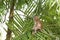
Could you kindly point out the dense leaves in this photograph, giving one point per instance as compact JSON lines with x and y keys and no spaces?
{"x":46,"y":10}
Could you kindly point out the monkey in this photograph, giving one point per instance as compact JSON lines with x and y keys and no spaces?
{"x":37,"y":25}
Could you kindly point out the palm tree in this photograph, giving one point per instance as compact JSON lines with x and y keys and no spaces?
{"x":46,"y":10}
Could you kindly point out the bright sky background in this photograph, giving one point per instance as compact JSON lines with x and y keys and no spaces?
{"x":3,"y":33}
{"x":3,"y":25}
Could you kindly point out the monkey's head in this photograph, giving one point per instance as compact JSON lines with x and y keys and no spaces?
{"x":36,"y":18}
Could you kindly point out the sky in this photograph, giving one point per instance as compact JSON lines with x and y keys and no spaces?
{"x":3,"y":25}
{"x":3,"y":32}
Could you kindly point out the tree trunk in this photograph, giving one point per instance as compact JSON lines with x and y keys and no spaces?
{"x":8,"y":36}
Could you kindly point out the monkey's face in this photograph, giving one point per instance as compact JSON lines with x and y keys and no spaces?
{"x":36,"y":18}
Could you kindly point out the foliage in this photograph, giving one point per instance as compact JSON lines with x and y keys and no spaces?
{"x":46,"y":10}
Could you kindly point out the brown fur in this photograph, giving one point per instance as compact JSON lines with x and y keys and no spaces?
{"x":37,"y":25}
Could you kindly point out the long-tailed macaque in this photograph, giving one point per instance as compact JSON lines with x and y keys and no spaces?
{"x":37,"y":25}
